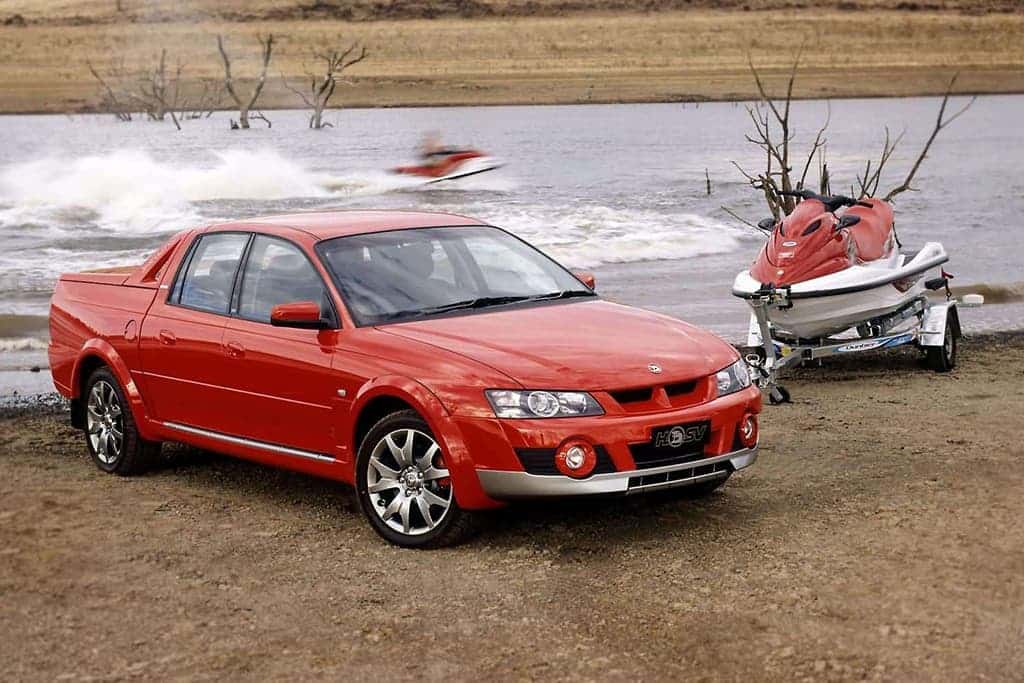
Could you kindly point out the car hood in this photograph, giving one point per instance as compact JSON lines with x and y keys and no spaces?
{"x":592,"y":345}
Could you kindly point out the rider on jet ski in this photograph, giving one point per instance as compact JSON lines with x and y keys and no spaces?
{"x":431,"y":152}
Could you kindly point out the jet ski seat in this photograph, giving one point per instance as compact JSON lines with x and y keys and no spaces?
{"x":872,"y":233}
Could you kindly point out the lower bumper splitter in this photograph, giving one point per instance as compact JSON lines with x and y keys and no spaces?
{"x":503,"y":484}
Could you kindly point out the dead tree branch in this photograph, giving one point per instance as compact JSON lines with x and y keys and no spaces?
{"x":108,"y":98}
{"x":246,"y":104}
{"x":773,"y":133}
{"x":323,"y":85}
{"x":940,"y":122}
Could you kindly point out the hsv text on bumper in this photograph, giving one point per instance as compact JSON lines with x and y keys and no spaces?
{"x":504,"y":484}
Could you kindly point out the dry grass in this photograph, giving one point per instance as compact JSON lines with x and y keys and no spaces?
{"x":600,"y":57}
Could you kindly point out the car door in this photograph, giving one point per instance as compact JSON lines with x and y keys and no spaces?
{"x":284,"y":390}
{"x":180,"y":343}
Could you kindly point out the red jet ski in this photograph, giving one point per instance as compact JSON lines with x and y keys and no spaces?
{"x":833,"y":268}
{"x":450,"y":164}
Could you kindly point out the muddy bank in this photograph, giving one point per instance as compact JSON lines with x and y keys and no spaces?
{"x":691,"y":54}
{"x":877,"y":538}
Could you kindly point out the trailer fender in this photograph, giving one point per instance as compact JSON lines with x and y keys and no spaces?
{"x":933,"y":323}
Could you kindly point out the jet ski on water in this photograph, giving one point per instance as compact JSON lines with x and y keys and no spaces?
{"x":835,"y":267}
{"x":450,"y":164}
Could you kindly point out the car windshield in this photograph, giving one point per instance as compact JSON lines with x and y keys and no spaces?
{"x":409,"y":274}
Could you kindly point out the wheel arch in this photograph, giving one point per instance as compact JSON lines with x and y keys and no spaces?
{"x":385,"y":395}
{"x":98,"y":353}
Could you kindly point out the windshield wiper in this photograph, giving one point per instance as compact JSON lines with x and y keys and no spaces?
{"x":564,"y":294}
{"x":482,"y":302}
{"x":478,"y":302}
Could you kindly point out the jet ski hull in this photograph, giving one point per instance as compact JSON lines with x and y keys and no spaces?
{"x":456,"y":166}
{"x":838,"y":301}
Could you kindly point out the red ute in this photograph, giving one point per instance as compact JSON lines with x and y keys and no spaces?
{"x":439,"y":365}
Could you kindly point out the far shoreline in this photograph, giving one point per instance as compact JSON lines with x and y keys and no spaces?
{"x":674,"y":56}
{"x":567,"y":103}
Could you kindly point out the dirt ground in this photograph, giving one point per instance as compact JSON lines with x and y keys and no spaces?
{"x":878,"y":538}
{"x":516,"y":51}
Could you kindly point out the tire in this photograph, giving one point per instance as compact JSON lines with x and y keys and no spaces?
{"x":943,"y":358}
{"x":111,"y":436}
{"x":408,"y":497}
{"x":778,"y":395}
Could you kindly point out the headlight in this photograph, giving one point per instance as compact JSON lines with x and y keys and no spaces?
{"x":529,"y":404}
{"x":733,"y":378}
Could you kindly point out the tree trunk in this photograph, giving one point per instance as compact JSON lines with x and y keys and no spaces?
{"x":243,"y":118}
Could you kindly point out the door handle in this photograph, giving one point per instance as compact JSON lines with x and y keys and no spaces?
{"x":235,"y":350}
{"x":167,"y":337}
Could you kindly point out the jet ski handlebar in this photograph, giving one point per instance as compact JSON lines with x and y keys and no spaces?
{"x":832,"y":203}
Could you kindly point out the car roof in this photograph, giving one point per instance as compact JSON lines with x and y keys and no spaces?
{"x":328,"y":224}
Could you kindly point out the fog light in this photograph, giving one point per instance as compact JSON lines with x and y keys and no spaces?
{"x":747,"y":430}
{"x":576,"y":459}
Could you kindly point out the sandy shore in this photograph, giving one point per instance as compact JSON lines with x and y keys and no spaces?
{"x":519,"y":58}
{"x":878,"y":538}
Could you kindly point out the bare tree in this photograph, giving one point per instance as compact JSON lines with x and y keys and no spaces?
{"x":202,"y":104}
{"x":109,"y":99}
{"x":774,"y":135}
{"x":245,"y":105}
{"x":158,"y":94}
{"x":322,"y":86}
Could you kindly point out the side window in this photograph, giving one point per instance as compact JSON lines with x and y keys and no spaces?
{"x":210,"y":276}
{"x":276,"y":272}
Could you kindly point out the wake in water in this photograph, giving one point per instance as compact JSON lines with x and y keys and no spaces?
{"x":590,"y":235}
{"x":132,"y":192}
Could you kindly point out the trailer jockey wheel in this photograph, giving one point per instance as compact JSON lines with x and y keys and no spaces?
{"x":778,"y":394}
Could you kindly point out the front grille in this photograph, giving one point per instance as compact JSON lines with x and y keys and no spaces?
{"x":721,"y":468}
{"x":647,"y":455}
{"x":542,"y":461}
{"x":633,"y":395}
{"x":680,"y":388}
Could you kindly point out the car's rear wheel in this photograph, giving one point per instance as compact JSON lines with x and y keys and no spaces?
{"x":110,"y":432}
{"x":404,"y":487}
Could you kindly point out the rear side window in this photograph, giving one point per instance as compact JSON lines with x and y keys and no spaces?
{"x":277,"y":272}
{"x":209,"y":278}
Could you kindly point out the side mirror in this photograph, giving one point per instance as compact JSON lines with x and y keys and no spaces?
{"x":586,"y":278}
{"x":766,"y":224}
{"x":301,"y":314}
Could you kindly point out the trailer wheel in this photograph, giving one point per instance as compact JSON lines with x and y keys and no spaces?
{"x":943,"y":358}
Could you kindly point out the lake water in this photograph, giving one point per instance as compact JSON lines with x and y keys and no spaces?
{"x":618,"y":189}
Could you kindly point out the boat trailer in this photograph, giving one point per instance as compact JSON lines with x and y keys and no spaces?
{"x":934,"y":326}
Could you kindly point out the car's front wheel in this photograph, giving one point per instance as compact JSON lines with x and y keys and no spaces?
{"x":110,"y":432}
{"x":404,"y":487}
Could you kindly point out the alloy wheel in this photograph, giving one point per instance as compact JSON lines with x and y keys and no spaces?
{"x":408,"y":483}
{"x":105,"y":422}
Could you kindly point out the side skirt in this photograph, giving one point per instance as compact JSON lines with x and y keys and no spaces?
{"x":250,"y":443}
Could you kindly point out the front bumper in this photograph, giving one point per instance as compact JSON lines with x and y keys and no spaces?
{"x":502,"y":484}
